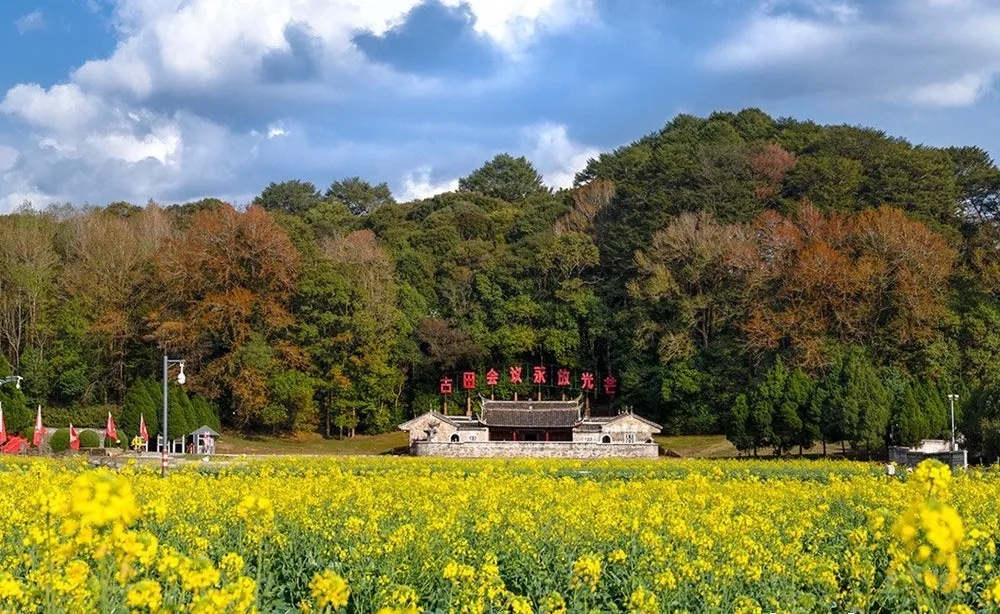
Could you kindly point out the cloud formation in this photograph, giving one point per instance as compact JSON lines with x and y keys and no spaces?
{"x":30,"y":22}
{"x":137,"y":112}
{"x":557,"y":157}
{"x":940,"y":53}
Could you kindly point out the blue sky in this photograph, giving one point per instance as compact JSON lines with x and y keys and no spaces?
{"x":174,"y":100}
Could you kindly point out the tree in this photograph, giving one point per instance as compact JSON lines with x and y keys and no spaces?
{"x":108,"y":266}
{"x":369,"y":353}
{"x":738,"y":425}
{"x":866,"y":402}
{"x":800,"y":394}
{"x":28,"y":269}
{"x":227,"y":284}
{"x":294,"y":197}
{"x":683,"y":281}
{"x":505,"y":177}
{"x":360,"y":196}
{"x":876,"y":278}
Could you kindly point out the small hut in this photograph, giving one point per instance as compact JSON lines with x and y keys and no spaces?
{"x":202,"y":440}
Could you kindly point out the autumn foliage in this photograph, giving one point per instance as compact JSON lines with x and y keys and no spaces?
{"x":780,"y":281}
{"x":875,"y":279}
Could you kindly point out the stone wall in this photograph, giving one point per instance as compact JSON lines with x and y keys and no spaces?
{"x":547,"y":449}
{"x":911,"y":458}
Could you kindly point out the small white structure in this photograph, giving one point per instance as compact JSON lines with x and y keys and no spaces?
{"x":532,"y":428}
{"x":202,"y":440}
{"x":939,"y":449}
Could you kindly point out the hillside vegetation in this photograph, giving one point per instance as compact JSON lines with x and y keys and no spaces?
{"x":782,"y":282}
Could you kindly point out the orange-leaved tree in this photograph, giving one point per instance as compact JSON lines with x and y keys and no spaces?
{"x":876,"y":278}
{"x":226,"y":286}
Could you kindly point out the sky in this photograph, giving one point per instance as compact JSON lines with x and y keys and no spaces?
{"x":176,"y":100}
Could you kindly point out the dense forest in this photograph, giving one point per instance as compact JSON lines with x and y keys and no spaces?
{"x":782,"y":282}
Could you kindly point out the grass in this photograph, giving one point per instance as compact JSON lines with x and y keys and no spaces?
{"x":698,"y":446}
{"x":312,"y":443}
{"x":687,"y":446}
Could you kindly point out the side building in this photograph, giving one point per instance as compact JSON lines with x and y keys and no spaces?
{"x":505,"y":429}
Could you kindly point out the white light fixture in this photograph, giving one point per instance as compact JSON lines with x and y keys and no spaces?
{"x":181,"y":378}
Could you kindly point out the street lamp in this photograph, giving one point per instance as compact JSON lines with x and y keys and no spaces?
{"x":180,"y":380}
{"x":13,"y":378}
{"x":952,"y":398}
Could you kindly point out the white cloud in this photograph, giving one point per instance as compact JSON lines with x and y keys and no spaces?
{"x":958,"y":93}
{"x":61,"y":108}
{"x":556,"y":156}
{"x":8,"y":156}
{"x":34,"y":20}
{"x":276,"y":130}
{"x":417,"y":185}
{"x":770,"y":40}
{"x":919,"y":52}
{"x":193,"y":45}
{"x":122,"y":126}
{"x":511,"y":23}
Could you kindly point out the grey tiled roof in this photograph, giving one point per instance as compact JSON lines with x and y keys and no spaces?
{"x":530,"y":414}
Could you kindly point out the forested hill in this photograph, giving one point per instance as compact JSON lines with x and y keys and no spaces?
{"x":777,"y":280}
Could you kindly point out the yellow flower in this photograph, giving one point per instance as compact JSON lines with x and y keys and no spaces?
{"x":520,"y":605}
{"x":586,"y":572}
{"x":642,"y":601}
{"x":329,"y":589}
{"x":231,"y":564}
{"x":553,"y":603}
{"x":991,"y":594}
{"x":10,"y":588}
{"x":145,"y":594}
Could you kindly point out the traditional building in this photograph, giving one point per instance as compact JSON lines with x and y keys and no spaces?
{"x":532,"y":428}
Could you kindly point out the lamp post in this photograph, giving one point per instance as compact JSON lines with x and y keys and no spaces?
{"x":952,"y":398}
{"x":180,"y":380}
{"x":13,"y":378}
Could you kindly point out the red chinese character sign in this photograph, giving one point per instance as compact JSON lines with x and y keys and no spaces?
{"x":447,"y":386}
{"x":538,"y":376}
{"x":586,"y":381}
{"x":492,"y":377}
{"x":468,"y":380}
{"x":562,"y":377}
{"x":610,"y":385}
{"x":515,"y":375}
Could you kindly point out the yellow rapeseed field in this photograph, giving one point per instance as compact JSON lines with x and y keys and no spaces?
{"x":383,"y":535}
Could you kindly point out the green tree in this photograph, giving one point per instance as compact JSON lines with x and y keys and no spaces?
{"x":866,"y":403}
{"x":293,"y":197}
{"x":360,"y":197}
{"x":738,"y":425}
{"x":505,"y":177}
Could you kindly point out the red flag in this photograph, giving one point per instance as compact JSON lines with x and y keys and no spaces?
{"x":143,"y":433}
{"x":3,"y":427}
{"x":74,"y":438}
{"x":39,"y":429}
{"x":111,"y":431}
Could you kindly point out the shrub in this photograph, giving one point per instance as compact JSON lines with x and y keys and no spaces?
{"x":90,"y":439}
{"x":59,"y":442}
{"x":88,"y":416}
